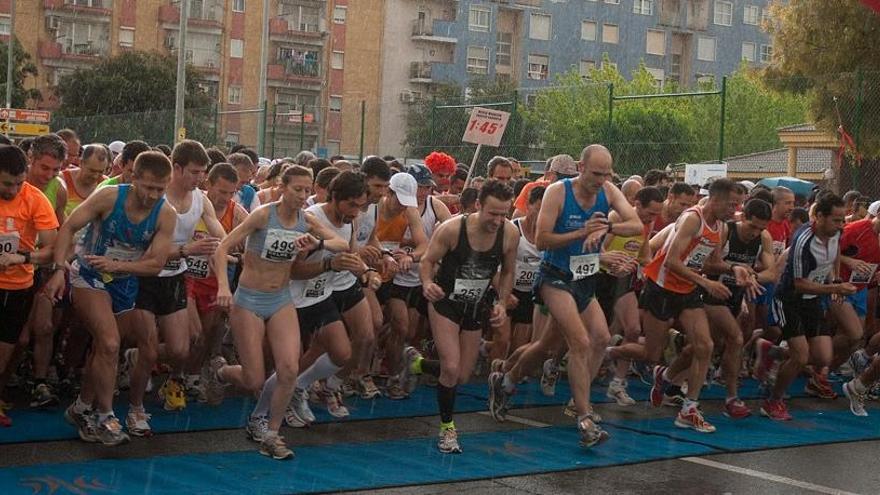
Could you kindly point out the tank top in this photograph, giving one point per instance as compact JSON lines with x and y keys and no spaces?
{"x":73,"y":196}
{"x":573,"y":259}
{"x":411,"y":277}
{"x":464,"y":273}
{"x":693,"y":257}
{"x":738,"y":252}
{"x":275,"y":241}
{"x":337,"y":280}
{"x":528,"y":259}
{"x":198,"y":266}
{"x":51,"y":191}
{"x":246,"y":195}
{"x":184,"y":230}
{"x":116,"y":237}
{"x":631,"y":245}
{"x":367,"y":224}
{"x":390,"y":233}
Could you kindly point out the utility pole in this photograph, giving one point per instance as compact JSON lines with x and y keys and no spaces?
{"x":10,"y":59}
{"x":264,"y":67}
{"x":181,"y":73}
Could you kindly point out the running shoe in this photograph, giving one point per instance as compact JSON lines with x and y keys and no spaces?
{"x":617,"y":391}
{"x":775,"y":410}
{"x":658,"y":386}
{"x":818,"y":386}
{"x":394,"y":390}
{"x":298,"y":413}
{"x":109,"y":431}
{"x":497,"y":365}
{"x":407,"y":378}
{"x":736,"y":409}
{"x":173,"y":395}
{"x":129,"y":361}
{"x":571,"y":411}
{"x":332,"y":399}
{"x":763,"y":361}
{"x":673,"y":398}
{"x":549,"y":377}
{"x":137,"y":423}
{"x":873,"y":392}
{"x":858,"y":362}
{"x":692,"y":418}
{"x":85,"y":426}
{"x":273,"y":446}
{"x":590,"y":433}
{"x":256,"y":428}
{"x":643,"y":371}
{"x":499,"y":399}
{"x":213,"y":386}
{"x":856,"y":400}
{"x":191,"y":384}
{"x":368,"y":388}
{"x":43,"y":396}
{"x":447,"y":442}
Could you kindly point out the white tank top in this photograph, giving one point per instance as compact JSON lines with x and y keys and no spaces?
{"x":429,"y":218}
{"x":344,"y":279}
{"x":184,"y":230}
{"x":367,"y":224}
{"x":528,"y":259}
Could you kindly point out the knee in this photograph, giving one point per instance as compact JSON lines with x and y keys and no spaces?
{"x":107,"y":347}
{"x":286,"y":372}
{"x":178,"y":350}
{"x":579,"y":345}
{"x":148,"y":354}
{"x":702,"y":347}
{"x":734,"y":341}
{"x":449,"y":370}
{"x":601,"y":340}
{"x":631,"y":333}
{"x":253,"y":383}
{"x":800,"y":358}
{"x":341,"y":356}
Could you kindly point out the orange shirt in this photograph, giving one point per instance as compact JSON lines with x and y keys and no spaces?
{"x":390,"y":234}
{"x":20,"y":220}
{"x":522,"y":201}
{"x":693,"y":256}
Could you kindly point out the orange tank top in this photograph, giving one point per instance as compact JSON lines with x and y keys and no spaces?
{"x":390,"y":234}
{"x":693,"y":257}
{"x":228,"y":217}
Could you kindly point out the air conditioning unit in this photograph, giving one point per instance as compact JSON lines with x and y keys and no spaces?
{"x":53,"y":23}
{"x":407,"y":97}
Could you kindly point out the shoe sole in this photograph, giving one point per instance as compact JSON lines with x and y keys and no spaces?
{"x":846,"y":394}
{"x":494,"y":411}
{"x":768,"y":416}
{"x":603,"y":437}
{"x":453,"y":451}
{"x":277,"y":458}
{"x":688,"y":426}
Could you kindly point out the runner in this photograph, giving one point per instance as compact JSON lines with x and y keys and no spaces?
{"x":246,"y":168}
{"x":29,"y":218}
{"x":780,"y":230}
{"x":571,"y":226}
{"x":528,"y":260}
{"x":129,"y":153}
{"x":128,"y":234}
{"x":47,"y":155}
{"x":679,"y":198}
{"x":500,"y":169}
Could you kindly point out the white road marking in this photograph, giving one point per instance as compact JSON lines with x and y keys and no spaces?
{"x":767,"y":476}
{"x":522,"y":421}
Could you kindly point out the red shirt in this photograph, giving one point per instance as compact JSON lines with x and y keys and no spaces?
{"x":859,"y":241}
{"x":781,"y":234}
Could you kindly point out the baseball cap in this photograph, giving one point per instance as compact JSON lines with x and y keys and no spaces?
{"x":564,"y":165}
{"x":874,"y":209}
{"x":749,"y":185}
{"x":405,"y":187}
{"x":422,"y":174}
{"x":116,"y":147}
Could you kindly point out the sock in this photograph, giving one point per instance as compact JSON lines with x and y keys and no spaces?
{"x":447,"y":426}
{"x":688,"y":404}
{"x":446,"y":402}
{"x":102,"y":416}
{"x":416,"y":367}
{"x":334,"y":382}
{"x":665,"y":374}
{"x":79,"y":406}
{"x":136,"y":409}
{"x":730,"y":399}
{"x":508,"y":383}
{"x":262,"y":408}
{"x":323,"y":367}
{"x":618,"y":381}
{"x":859,"y":386}
{"x":430,"y":367}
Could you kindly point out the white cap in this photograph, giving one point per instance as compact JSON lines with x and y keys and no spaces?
{"x":405,"y":186}
{"x":874,"y":209}
{"x":749,"y":184}
{"x":116,"y":147}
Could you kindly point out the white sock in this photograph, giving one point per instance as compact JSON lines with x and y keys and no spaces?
{"x":859,"y":386}
{"x":262,"y":408}
{"x":79,"y":406}
{"x":323,"y":367}
{"x":508,"y":384}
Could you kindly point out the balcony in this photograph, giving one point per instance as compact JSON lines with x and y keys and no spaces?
{"x":49,"y":50}
{"x":203,"y":16}
{"x":100,"y":10}
{"x":66,"y":49}
{"x":283,"y":30}
{"x":431,"y":72}
{"x":292,"y":70}
{"x":438,"y":31}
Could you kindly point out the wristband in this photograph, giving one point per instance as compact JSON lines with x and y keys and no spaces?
{"x":180,"y":252}
{"x":610,"y":226}
{"x":837,"y":281}
{"x":27,"y":257}
{"x":320,"y":244}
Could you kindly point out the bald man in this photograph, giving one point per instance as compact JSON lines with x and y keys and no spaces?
{"x":630,"y":188}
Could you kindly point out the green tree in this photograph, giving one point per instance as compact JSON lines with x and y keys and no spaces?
{"x":131,"y":96}
{"x":22,"y":67}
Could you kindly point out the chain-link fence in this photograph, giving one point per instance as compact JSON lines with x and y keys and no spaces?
{"x":154,"y":127}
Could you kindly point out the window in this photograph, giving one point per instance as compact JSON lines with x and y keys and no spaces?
{"x":765,"y":16}
{"x":336,"y":60}
{"x":656,"y":43}
{"x":478,"y":19}
{"x":335,"y":103}
{"x":588,"y":30}
{"x":288,"y":102}
{"x":659,"y":76}
{"x":4,"y":25}
{"x":503,"y":48}
{"x":584,"y":68}
{"x":236,"y":48}
{"x":234,"y":95}
{"x":539,"y":67}
{"x":766,"y":53}
{"x":723,"y":13}
{"x":339,"y":14}
{"x":750,"y":14}
{"x":706,"y":49}
{"x":478,"y":59}
{"x":644,"y":7}
{"x":614,"y":2}
{"x":238,"y":5}
{"x":748,"y":51}
{"x":609,"y":33}
{"x":126,"y":37}
{"x":300,"y":17}
{"x":231,"y":139}
{"x":539,"y":27}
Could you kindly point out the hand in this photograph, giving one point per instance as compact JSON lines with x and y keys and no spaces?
{"x":10,"y":259}
{"x":370,"y":254}
{"x":717,"y":290}
{"x":742,"y":274}
{"x":754,"y":289}
{"x":861,"y":267}
{"x":433,"y":292}
{"x":618,"y":263}
{"x":594,"y":230}
{"x":512,"y":301}
{"x":306,"y":242}
{"x":224,"y":298}
{"x":347,"y":261}
{"x":390,"y":265}
{"x":404,"y":261}
{"x":103,"y":264}
{"x":498,"y":315}
{"x":202,"y":247}
{"x":54,"y":288}
{"x":374,"y":281}
{"x":845,"y":289}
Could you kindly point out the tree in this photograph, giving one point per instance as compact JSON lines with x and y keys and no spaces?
{"x":131,"y":96}
{"x":827,"y":49}
{"x":22,"y":67}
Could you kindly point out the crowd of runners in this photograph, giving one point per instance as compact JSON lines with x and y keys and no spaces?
{"x":195,"y":275}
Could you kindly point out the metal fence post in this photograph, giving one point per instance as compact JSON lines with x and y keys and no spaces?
{"x":857,"y":126}
{"x":363,"y":120}
{"x":433,"y":112}
{"x":723,"y":109}
{"x":274,"y":128}
{"x":302,"y":128}
{"x":608,"y":130}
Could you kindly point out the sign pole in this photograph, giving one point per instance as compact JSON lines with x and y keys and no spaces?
{"x":467,"y":181}
{"x":10,"y":60}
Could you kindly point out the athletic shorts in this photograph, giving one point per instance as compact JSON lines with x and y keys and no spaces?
{"x":859,"y":302}
{"x":262,"y":303}
{"x":204,"y":292}
{"x":468,"y":316}
{"x":609,"y":289}
{"x":15,"y":307}
{"x":667,"y":305}
{"x":524,"y":310}
{"x":161,"y":296}
{"x":583,"y":291}
{"x":346,"y":299}
{"x":123,"y":291}
{"x":801,"y":317}
{"x":313,"y":318}
{"x":734,"y":303}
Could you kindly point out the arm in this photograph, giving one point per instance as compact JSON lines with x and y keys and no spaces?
{"x":417,"y":231}
{"x":154,"y":259}
{"x":254,"y":221}
{"x":768,"y":260}
{"x":508,"y":262}
{"x":60,"y":203}
{"x":93,"y":208}
{"x":440,"y":244}
{"x":688,"y":229}
{"x":441,"y":211}
{"x":656,"y":243}
{"x":46,"y":254}
{"x":629,"y":223}
{"x":332,"y":242}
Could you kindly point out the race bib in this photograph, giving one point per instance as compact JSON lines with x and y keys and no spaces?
{"x":390,"y":246}
{"x":172,"y":265}
{"x":197,"y":266}
{"x":470,"y":291}
{"x":860,"y":278}
{"x":584,"y":265}
{"x":525,"y":276}
{"x":280,"y":245}
{"x":316,"y":287}
{"x":818,"y":276}
{"x":9,"y":243}
{"x":778,"y":247}
{"x":123,"y":253}
{"x":698,"y":256}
